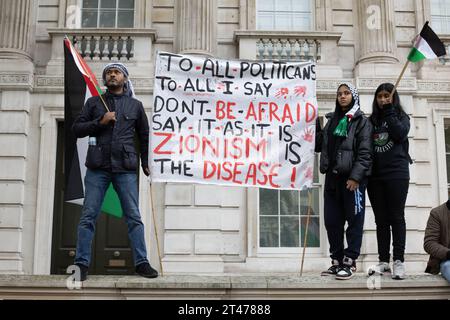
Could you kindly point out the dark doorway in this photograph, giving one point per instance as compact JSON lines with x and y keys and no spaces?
{"x":111,"y":253}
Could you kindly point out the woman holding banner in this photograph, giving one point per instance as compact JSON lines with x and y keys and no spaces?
{"x":388,"y":185}
{"x":346,"y":158}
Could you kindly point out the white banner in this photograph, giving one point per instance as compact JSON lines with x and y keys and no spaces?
{"x":231,"y":122}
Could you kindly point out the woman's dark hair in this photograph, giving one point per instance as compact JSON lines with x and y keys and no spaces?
{"x":389,"y":87}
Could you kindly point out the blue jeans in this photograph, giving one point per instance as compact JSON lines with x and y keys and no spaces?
{"x":445,"y":270}
{"x":96,"y":183}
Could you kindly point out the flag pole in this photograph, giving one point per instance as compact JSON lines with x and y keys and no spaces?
{"x":104,"y":103}
{"x":100,"y":95}
{"x":399,"y":78}
{"x":306,"y":230}
{"x":155,"y":228}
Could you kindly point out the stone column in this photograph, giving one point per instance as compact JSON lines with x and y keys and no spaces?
{"x":197,"y":26}
{"x":17,"y":181}
{"x":17,"y":22}
{"x":376,"y":31}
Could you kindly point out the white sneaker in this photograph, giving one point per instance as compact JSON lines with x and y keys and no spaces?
{"x":399,"y":270}
{"x":379,"y":269}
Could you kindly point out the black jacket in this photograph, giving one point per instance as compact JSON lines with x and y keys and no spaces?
{"x":391,"y":158}
{"x":115,"y":150}
{"x":354,"y":154}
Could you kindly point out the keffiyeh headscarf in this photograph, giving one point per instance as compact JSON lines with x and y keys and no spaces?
{"x":128,"y":88}
{"x":341,"y":129}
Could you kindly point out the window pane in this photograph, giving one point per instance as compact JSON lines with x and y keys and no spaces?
{"x":434,"y":4}
{"x":110,"y":4}
{"x":301,"y":6}
{"x":107,"y":19}
{"x":90,"y":4}
{"x":301,"y":22}
{"x":283,"y":5}
{"x":283,"y":21}
{"x":126,"y":4}
{"x":265,"y":21}
{"x":266,"y":5}
{"x":313,"y":237}
{"x":304,"y":202}
{"x":316,"y":168}
{"x":268,"y":232}
{"x":447,"y":135}
{"x":89,"y":19}
{"x":289,"y":232}
{"x":268,"y":202}
{"x":125,"y":19}
{"x":289,"y":203}
{"x":448,"y":168}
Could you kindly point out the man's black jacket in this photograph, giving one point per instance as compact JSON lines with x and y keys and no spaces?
{"x":115,"y":149}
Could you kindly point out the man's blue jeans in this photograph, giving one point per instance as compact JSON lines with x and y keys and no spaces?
{"x":445,"y":270}
{"x":96,"y":183}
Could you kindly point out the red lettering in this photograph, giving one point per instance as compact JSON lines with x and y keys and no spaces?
{"x":237,"y":172}
{"x":205,"y":170}
{"x":227,"y":168}
{"x":167,"y":138}
{"x":196,"y":142}
{"x":287,"y":114}
{"x":251,"y":174}
{"x":260,"y":168}
{"x":251,"y":112}
{"x":273,"y":174}
{"x":273,"y":112}
{"x":314,"y":112}
{"x":260,"y":146}
{"x":221,"y":113}
{"x":214,"y":149}
{"x":236,"y":148}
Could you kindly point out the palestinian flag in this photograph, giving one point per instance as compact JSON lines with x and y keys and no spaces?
{"x":427,"y":46}
{"x":79,"y":85}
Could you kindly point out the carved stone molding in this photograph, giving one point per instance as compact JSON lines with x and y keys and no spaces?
{"x":407,"y":84}
{"x":16,"y":81}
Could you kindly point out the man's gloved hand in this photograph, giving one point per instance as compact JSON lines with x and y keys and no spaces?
{"x":146,"y":171}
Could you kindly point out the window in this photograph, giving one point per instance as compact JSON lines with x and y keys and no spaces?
{"x":286,"y":15}
{"x":447,"y":151}
{"x":283,"y":216}
{"x":440,"y":16}
{"x":107,"y":14}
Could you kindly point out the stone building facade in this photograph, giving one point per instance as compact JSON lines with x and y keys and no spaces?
{"x":212,"y":229}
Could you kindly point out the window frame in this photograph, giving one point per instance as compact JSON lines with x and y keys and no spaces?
{"x":116,"y":10}
{"x":439,"y":115}
{"x":290,"y":251}
{"x":447,"y":15}
{"x":312,"y":26}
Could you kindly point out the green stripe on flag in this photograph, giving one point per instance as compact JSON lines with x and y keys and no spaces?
{"x":111,"y":203}
{"x":415,"y":55}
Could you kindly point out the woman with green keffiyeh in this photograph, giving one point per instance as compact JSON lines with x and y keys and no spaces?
{"x":345,"y":145}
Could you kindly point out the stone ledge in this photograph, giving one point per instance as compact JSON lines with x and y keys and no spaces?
{"x":241,"y":286}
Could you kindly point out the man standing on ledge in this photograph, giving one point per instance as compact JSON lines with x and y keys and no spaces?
{"x":112,"y":158}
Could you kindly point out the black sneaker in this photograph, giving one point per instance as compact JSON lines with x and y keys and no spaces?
{"x":83,"y":272}
{"x":347,"y":269}
{"x":145,"y":270}
{"x":333,"y":270}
